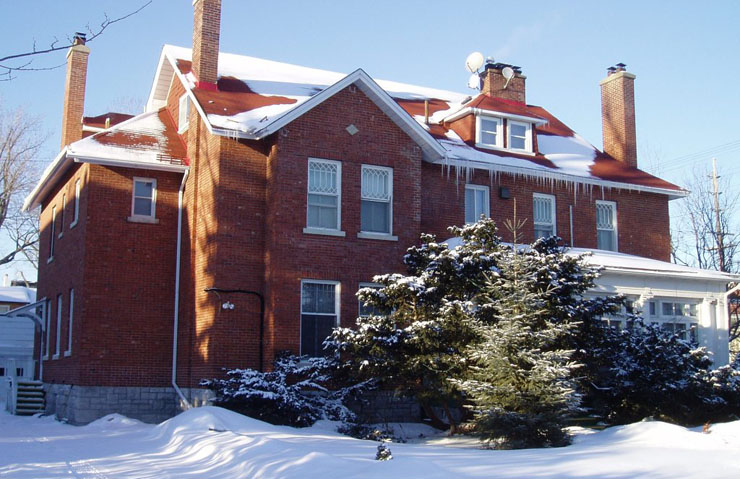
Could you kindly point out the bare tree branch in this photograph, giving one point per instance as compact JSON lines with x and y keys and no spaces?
{"x":56,"y":46}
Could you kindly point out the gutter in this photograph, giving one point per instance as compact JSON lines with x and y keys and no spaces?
{"x":175,"y":327}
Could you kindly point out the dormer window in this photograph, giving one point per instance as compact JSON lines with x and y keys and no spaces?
{"x":490,"y":132}
{"x":520,"y":136}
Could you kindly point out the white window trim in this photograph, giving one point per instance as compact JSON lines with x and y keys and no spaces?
{"x":183,"y":120}
{"x":337,"y":305}
{"x":58,"y":345}
{"x":552,"y":211}
{"x":134,"y":218}
{"x":487,"y":191}
{"x":359,"y":303}
{"x":691,"y":322}
{"x":499,"y":132}
{"x":77,"y":205}
{"x":47,"y":326}
{"x":374,"y":234}
{"x":53,"y":233}
{"x":61,"y":222}
{"x":325,"y":231}
{"x":614,"y":220}
{"x":68,"y":352}
{"x":527,"y":136}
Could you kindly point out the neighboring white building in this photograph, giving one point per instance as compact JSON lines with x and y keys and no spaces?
{"x":681,"y":299}
{"x":16,"y":336}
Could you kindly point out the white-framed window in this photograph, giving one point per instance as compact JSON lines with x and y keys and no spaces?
{"x":365,"y":310}
{"x":477,"y":199}
{"x":324,"y":203}
{"x":47,"y":336}
{"x":543,"y":207}
{"x":144,"y":198}
{"x":319,"y":314}
{"x":183,"y":114}
{"x":489,"y":131}
{"x":377,"y":200}
{"x":53,"y":235}
{"x":58,"y":345}
{"x":68,"y":352}
{"x":676,"y":316}
{"x":77,"y":204}
{"x":606,"y":225}
{"x":64,"y":208}
{"x":519,"y":136}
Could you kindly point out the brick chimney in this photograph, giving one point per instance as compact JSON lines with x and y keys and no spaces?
{"x":495,"y":85}
{"x":206,"y":36}
{"x":74,"y":91}
{"x":618,"y":114}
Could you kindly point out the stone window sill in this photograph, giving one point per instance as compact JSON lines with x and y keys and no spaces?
{"x":319,"y":231}
{"x":143,"y":219}
{"x":377,"y":236}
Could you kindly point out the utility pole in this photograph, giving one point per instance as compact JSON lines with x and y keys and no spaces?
{"x":718,"y":228}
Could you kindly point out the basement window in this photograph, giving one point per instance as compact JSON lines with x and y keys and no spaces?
{"x":183,"y":113}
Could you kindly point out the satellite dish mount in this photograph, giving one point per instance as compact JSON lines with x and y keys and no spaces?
{"x":508,"y":73}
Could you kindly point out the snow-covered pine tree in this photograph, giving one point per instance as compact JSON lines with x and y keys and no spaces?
{"x":519,"y":374}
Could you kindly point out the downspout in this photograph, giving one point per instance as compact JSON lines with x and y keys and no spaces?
{"x":177,"y":291}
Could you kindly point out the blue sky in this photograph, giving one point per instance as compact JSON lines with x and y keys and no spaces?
{"x":685,"y":56}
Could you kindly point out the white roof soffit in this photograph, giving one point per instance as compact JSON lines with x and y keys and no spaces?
{"x":162,"y":80}
{"x":57,"y":167}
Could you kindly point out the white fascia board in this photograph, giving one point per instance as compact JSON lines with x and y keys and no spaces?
{"x":93,"y":129}
{"x":555,"y":175}
{"x":52,"y":172}
{"x":478,"y":111}
{"x":710,"y":276}
{"x":375,"y":93}
{"x":130,"y":164}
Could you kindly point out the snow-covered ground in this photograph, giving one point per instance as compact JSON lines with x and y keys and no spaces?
{"x":212,"y":443}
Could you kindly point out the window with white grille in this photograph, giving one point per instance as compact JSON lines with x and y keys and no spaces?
{"x":324,"y":194}
{"x":676,"y":316}
{"x":377,"y":199}
{"x":319,"y":314}
{"x":544,"y":215}
{"x":606,"y":225}
{"x":476,"y":203}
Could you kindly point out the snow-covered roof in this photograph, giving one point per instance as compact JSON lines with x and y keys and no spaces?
{"x":17,"y":294}
{"x":148,"y":140}
{"x":255,"y":97}
{"x":630,"y":264}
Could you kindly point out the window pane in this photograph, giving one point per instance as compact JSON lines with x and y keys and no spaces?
{"x":142,"y":206}
{"x":488,"y":138}
{"x":541,"y":231}
{"x":375,"y":183}
{"x":518,"y":130}
{"x":375,"y":216}
{"x":314,"y":330}
{"x":143,"y":189}
{"x":322,"y":177}
{"x":488,"y":125}
{"x":667,"y":309}
{"x":470,"y":216}
{"x":318,"y":298}
{"x":518,"y":143}
{"x":322,"y":211}
{"x":605,"y":240}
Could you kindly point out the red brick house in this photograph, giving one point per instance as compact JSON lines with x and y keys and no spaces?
{"x":239,"y":214}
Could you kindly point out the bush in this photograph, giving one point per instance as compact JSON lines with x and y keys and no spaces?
{"x":295,"y":393}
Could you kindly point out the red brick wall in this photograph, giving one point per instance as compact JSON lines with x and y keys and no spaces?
{"x":65,"y":271}
{"x":642,"y":218}
{"x":292,"y":255}
{"x":123,"y":309}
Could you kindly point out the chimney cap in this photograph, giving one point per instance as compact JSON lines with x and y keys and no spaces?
{"x":80,"y":38}
{"x":501,"y":66}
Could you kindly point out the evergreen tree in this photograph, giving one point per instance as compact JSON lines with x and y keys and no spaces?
{"x":519,"y":376}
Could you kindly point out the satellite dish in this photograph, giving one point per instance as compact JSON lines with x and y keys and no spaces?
{"x":474,"y":62}
{"x":474,"y":81}
{"x":507,"y":73}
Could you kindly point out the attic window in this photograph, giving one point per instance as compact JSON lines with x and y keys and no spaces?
{"x":183,"y":114}
{"x":491,"y":130}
